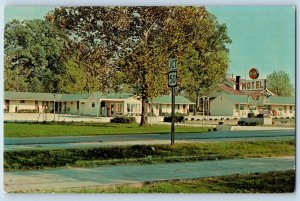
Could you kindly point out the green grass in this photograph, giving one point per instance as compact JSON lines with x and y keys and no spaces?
{"x":77,"y":129}
{"x":141,"y":154}
{"x":272,"y":182}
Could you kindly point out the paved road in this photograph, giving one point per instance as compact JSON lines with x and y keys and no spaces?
{"x":110,"y":175}
{"x":106,"y":140}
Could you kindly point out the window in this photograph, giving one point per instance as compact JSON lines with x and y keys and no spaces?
{"x":178,"y":106}
{"x":22,"y":101}
{"x":242,"y":107}
{"x":128,"y":107}
{"x":93,"y":104}
{"x":291,"y":107}
{"x":138,"y":108}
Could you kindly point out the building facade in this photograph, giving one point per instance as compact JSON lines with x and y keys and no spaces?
{"x":93,"y":104}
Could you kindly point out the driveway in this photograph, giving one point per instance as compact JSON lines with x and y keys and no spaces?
{"x":125,"y":174}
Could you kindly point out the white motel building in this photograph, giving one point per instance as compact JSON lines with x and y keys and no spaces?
{"x":233,"y":97}
{"x":92,"y":104}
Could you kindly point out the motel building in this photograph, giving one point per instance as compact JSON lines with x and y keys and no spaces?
{"x":237,"y":97}
{"x":90,"y":104}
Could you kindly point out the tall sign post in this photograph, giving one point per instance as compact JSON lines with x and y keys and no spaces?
{"x":172,"y":82}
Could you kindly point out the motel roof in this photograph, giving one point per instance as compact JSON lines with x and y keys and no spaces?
{"x":273,"y":100}
{"x":165,"y":99}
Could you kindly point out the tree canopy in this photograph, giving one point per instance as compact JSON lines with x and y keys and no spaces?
{"x":32,"y":56}
{"x":279,"y":82}
{"x":86,"y":49}
{"x":130,"y":46}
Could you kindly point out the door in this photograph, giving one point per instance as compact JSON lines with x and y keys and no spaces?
{"x":6,"y":108}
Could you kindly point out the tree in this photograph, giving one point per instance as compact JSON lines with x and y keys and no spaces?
{"x":203,"y":56}
{"x":279,"y":82}
{"x":32,"y":51}
{"x":132,"y":46}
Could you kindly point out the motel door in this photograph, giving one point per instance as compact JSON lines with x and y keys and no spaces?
{"x":6,"y":106}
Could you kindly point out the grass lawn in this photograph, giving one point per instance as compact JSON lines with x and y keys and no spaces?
{"x":76,"y":129}
{"x":272,"y":182}
{"x":145,"y":154}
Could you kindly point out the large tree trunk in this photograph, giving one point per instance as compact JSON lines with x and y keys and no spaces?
{"x":144,"y":116}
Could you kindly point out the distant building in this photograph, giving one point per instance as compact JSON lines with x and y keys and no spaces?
{"x":241,"y":105}
{"x":236,"y":97}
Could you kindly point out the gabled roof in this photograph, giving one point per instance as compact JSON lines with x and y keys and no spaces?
{"x":8,"y":95}
{"x":230,"y":79}
{"x":230,"y":90}
{"x":281,"y":100}
{"x":242,"y":99}
{"x":72,"y":97}
{"x":165,"y":99}
{"x":101,"y":95}
{"x":273,"y":100}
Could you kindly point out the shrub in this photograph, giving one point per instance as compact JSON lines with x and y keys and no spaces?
{"x":123,"y":119}
{"x":27,"y":111}
{"x":178,"y":118}
{"x":251,"y":115}
{"x":260,"y":116}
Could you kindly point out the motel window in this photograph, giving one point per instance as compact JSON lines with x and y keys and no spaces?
{"x":280,"y":108}
{"x":93,"y":104}
{"x":138,"y":108}
{"x":284,"y":107}
{"x":291,"y":107}
{"x":236,"y":106}
{"x":22,"y":101}
{"x":128,"y":107}
{"x":242,"y":107}
{"x":184,"y":106}
{"x":177,"y":107}
{"x":156,"y":107}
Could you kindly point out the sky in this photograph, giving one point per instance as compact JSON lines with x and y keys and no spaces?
{"x":262,"y":36}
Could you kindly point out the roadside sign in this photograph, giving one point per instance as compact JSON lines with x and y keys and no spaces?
{"x":172,"y":65}
{"x":172,"y":79}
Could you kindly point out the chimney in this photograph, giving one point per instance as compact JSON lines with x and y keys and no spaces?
{"x":237,"y":87}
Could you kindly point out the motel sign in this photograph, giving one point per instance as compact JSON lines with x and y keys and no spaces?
{"x":259,"y":84}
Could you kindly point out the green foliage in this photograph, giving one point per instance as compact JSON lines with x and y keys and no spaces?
{"x":178,"y":118}
{"x":83,"y":128}
{"x":27,"y":111}
{"x":36,"y":159}
{"x":271,"y":182}
{"x":32,"y":56}
{"x":129,"y":47}
{"x":123,"y":119}
{"x":279,"y":83}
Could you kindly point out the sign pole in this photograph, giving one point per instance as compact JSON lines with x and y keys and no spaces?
{"x":173,"y":116}
{"x":172,"y":83}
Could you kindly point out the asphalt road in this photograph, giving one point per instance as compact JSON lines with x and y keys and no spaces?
{"x":111,"y":175}
{"x":107,"y":140}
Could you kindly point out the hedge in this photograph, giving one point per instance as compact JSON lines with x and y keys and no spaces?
{"x":123,"y":119}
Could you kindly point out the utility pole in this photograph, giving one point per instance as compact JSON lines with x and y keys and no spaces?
{"x":173,"y":83}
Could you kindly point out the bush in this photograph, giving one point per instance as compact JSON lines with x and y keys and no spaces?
{"x":260,"y":116}
{"x":123,"y":119}
{"x":251,"y":115}
{"x":178,"y":118}
{"x":27,"y":111}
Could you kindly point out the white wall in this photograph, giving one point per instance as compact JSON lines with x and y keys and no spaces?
{"x":221,"y":106}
